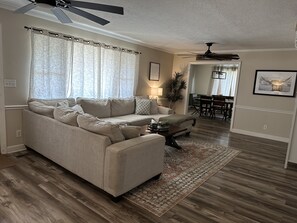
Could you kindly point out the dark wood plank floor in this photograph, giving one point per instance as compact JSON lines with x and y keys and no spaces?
{"x":253,"y":187}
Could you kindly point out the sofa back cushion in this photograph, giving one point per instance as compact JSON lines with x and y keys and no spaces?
{"x":66,"y":115}
{"x":54,"y":102}
{"x":41,"y":108}
{"x":154,"y":107}
{"x":121,"y":107}
{"x":97,"y":107}
{"x":93,"y":124}
{"x":131,"y":132}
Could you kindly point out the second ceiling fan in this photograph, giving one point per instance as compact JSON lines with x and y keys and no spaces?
{"x":73,"y":6}
{"x":208,"y":55}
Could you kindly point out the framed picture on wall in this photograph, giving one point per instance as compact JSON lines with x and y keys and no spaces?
{"x":275,"y":82}
{"x":154,"y":73}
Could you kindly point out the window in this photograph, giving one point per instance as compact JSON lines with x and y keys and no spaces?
{"x":225,"y":86}
{"x":65,"y":68}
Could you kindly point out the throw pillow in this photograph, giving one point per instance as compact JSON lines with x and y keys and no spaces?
{"x":41,"y":108}
{"x":95,"y":125}
{"x":131,"y":132}
{"x":63,"y":104}
{"x":66,"y":115}
{"x":143,"y":107}
{"x":78,"y":108}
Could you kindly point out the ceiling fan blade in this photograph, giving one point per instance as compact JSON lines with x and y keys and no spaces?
{"x":87,"y":15}
{"x":96,"y":6}
{"x":186,"y":54}
{"x":26,"y":8}
{"x":61,"y":15}
{"x":228,"y":56}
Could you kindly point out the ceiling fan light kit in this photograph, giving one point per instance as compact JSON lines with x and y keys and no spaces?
{"x":73,"y":7}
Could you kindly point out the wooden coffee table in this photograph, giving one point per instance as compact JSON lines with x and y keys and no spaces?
{"x":169,"y":135}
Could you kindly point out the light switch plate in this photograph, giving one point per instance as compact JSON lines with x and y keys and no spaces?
{"x":10,"y":83}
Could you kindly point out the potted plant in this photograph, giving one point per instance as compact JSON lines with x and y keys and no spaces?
{"x":174,"y":87}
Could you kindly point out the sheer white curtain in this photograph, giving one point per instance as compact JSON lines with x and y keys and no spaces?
{"x":226,"y":86}
{"x":119,"y":70}
{"x":86,"y":68}
{"x":50,"y":70}
{"x":64,"y":68}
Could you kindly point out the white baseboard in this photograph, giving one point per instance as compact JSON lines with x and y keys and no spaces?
{"x":260,"y":135}
{"x":15,"y":148}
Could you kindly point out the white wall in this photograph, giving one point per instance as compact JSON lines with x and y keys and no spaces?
{"x":202,"y":78}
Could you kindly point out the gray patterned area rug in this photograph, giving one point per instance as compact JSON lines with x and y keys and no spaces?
{"x":184,"y":171}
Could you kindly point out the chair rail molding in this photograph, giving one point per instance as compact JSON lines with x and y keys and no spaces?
{"x":286,"y":112}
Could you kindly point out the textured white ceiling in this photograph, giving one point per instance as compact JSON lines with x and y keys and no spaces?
{"x":183,"y":26}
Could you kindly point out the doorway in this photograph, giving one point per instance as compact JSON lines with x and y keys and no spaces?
{"x":212,"y":90}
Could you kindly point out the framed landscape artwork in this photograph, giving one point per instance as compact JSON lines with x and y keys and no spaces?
{"x":154,"y":71}
{"x":275,"y":82}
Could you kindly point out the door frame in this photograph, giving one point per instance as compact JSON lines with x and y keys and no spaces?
{"x":3,"y":144}
{"x":191,"y":64}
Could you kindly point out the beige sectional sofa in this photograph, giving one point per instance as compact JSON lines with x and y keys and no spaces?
{"x":114,"y":167}
{"x":52,"y":128}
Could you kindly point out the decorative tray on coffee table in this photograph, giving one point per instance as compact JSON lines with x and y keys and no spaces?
{"x":158,"y":127}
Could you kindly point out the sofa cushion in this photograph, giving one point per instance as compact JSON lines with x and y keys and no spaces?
{"x":97,"y":107}
{"x":134,"y":119}
{"x":78,"y":108}
{"x":143,"y":106}
{"x":54,"y":102}
{"x":63,"y":104}
{"x":41,"y":108}
{"x":66,"y":115}
{"x":154,"y":107}
{"x":93,"y":124}
{"x":115,"y":120}
{"x":122,"y":107}
{"x":131,"y":132}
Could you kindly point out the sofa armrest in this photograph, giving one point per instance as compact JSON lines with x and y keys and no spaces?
{"x":165,"y":110}
{"x":132,"y":162}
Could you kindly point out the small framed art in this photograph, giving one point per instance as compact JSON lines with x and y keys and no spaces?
{"x":154,"y":73}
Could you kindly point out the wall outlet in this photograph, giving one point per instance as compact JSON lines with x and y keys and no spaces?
{"x":18,"y":133}
{"x":265,"y":126}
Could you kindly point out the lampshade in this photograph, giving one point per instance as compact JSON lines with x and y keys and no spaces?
{"x":156,"y":91}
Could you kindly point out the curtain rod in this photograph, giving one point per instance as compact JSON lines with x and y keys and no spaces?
{"x":77,"y":39}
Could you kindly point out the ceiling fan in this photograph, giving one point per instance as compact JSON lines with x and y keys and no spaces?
{"x":208,"y":55}
{"x":71,"y":6}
